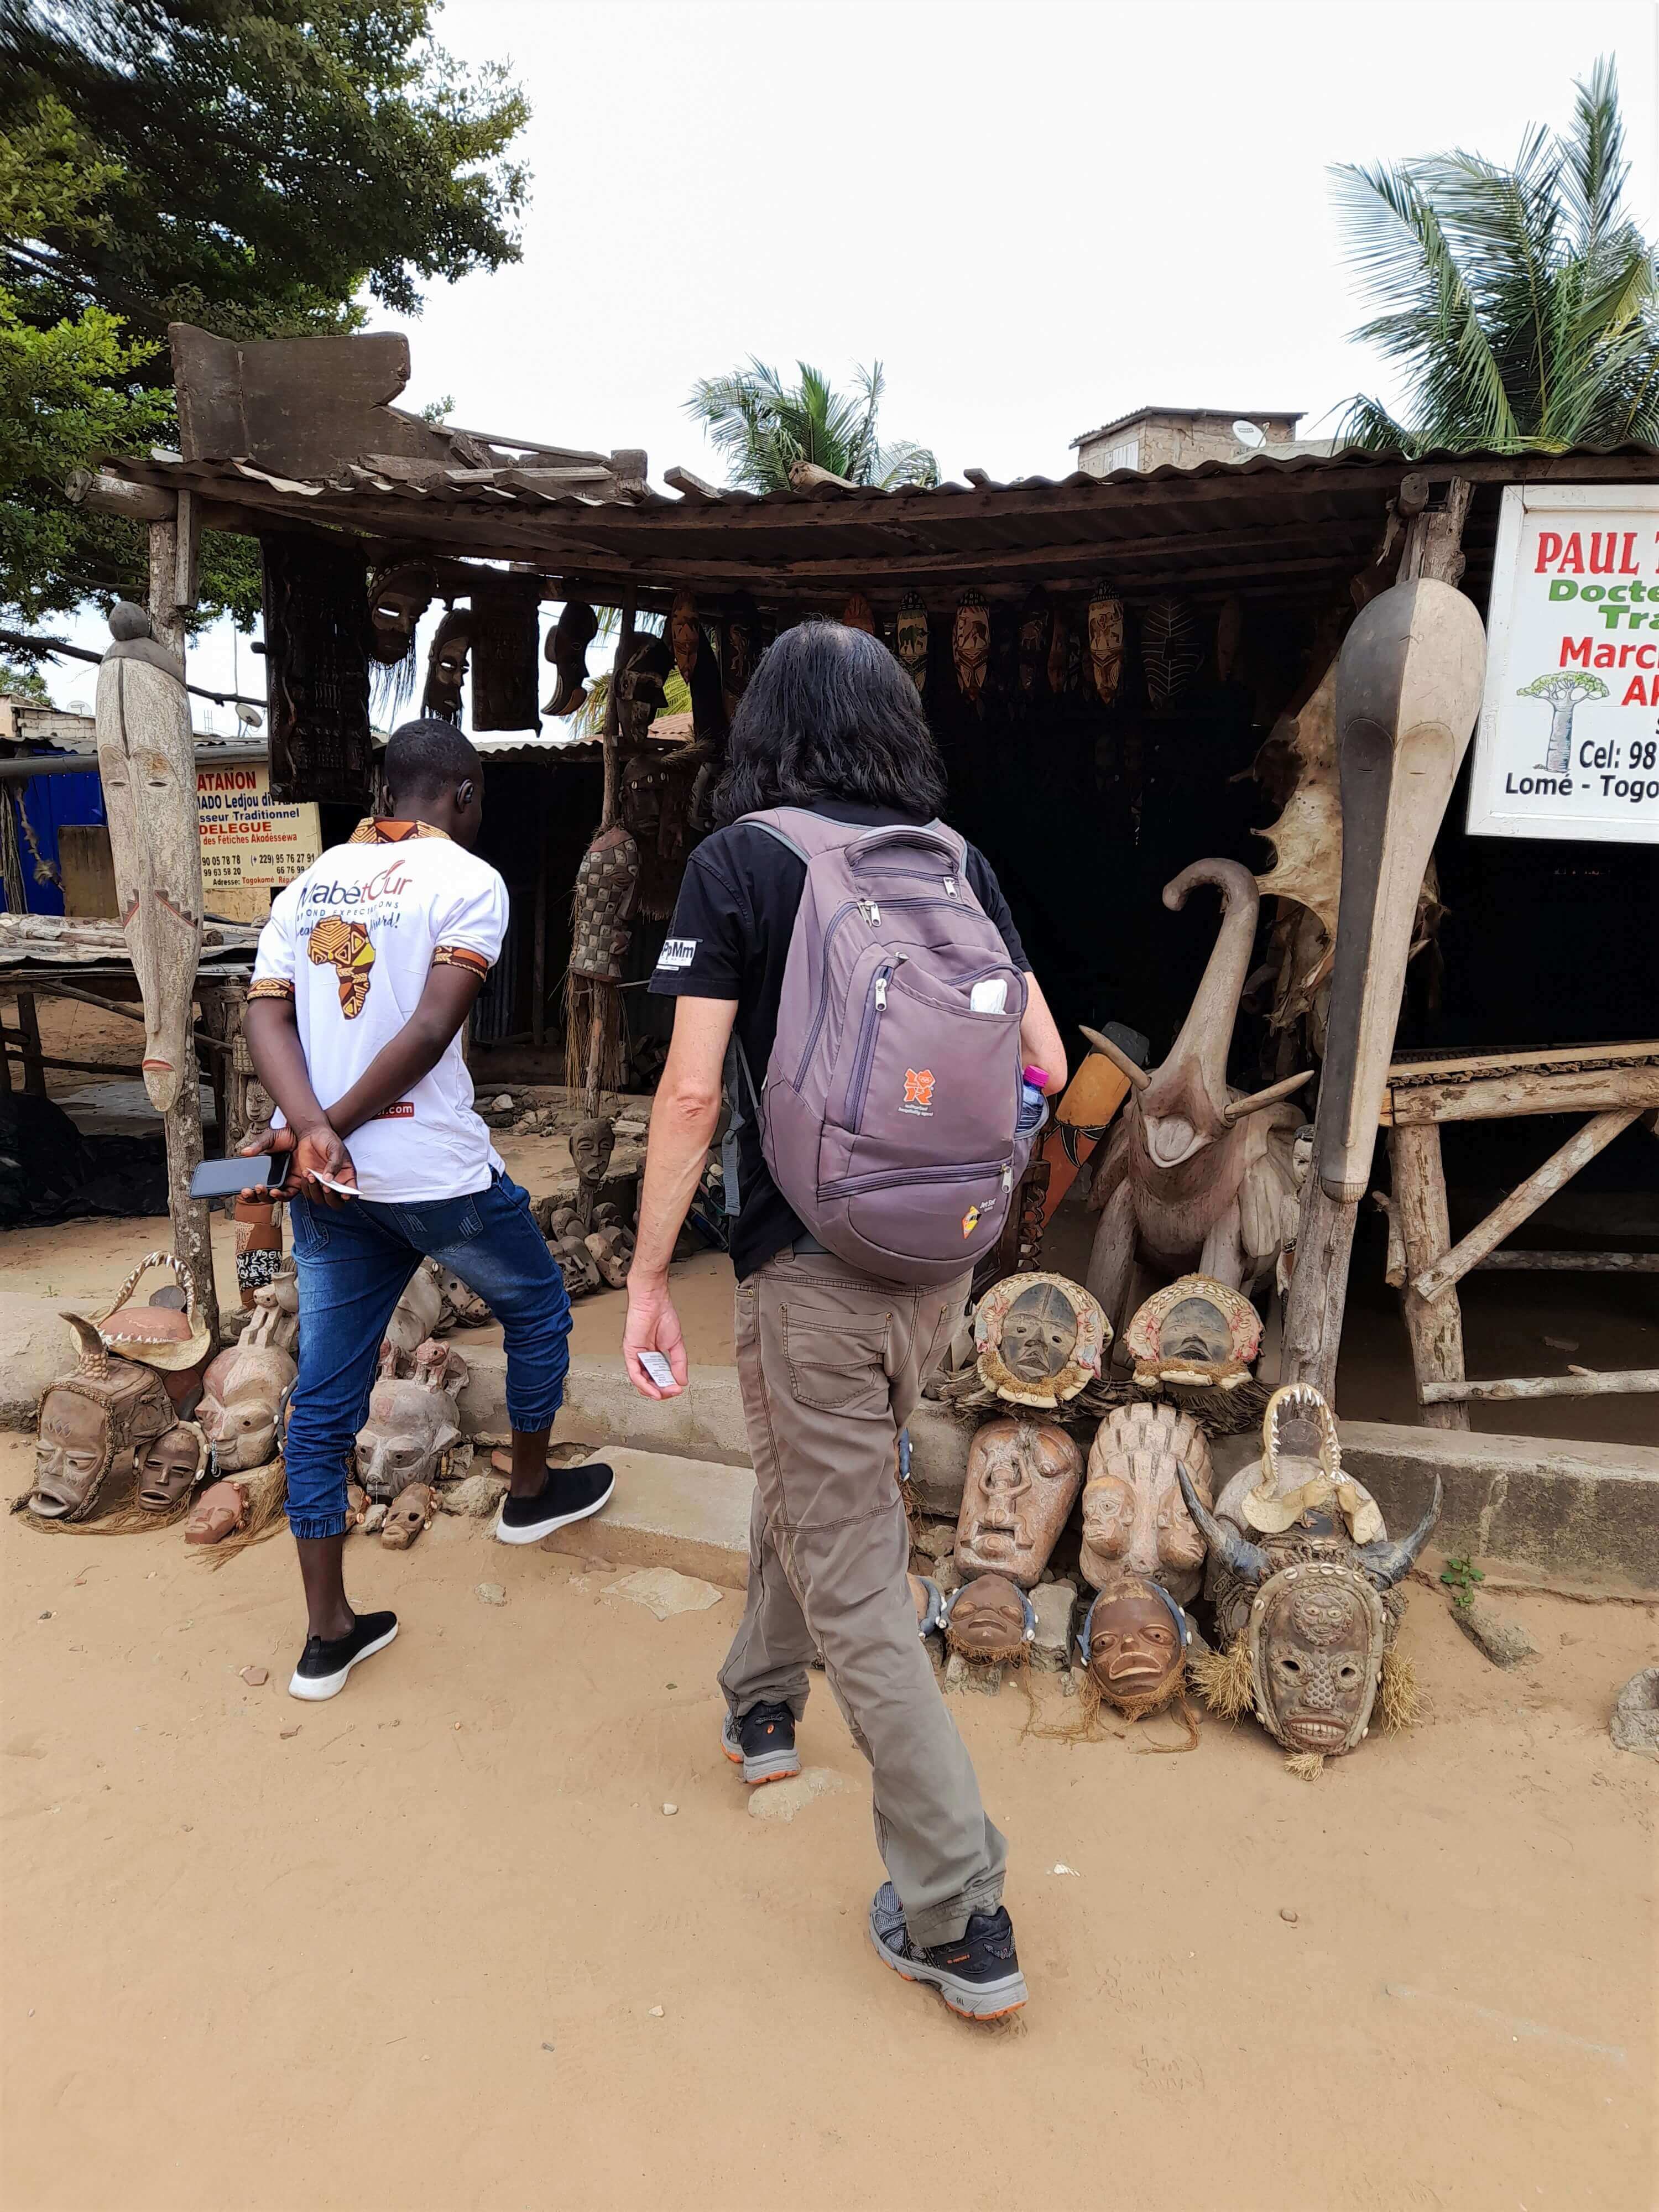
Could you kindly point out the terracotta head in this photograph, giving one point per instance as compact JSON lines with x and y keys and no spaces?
{"x":1133,"y":1644}
{"x":990,"y":1618}
{"x":168,"y":1466}
{"x":93,"y":1426}
{"x":412,"y":1421}
{"x":1023,"y":1481}
{"x":241,"y":1405}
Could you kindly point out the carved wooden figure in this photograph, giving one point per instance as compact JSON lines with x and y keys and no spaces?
{"x":147,"y":764}
{"x":1195,"y":1171}
{"x":1408,"y":683}
{"x":1133,"y":1513}
{"x":1023,"y":1480}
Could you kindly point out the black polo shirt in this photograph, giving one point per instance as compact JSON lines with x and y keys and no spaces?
{"x":730,"y":939}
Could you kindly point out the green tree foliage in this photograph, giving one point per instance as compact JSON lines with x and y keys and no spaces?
{"x":1521,"y":302}
{"x":763,"y":428}
{"x":255,"y":166}
{"x":27,"y":683}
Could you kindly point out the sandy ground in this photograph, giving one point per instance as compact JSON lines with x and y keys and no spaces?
{"x":411,"y":1955}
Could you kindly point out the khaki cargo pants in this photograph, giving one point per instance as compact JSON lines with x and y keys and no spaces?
{"x":831,"y":1365}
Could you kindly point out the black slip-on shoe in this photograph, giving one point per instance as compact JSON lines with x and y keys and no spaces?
{"x":570,"y":1493}
{"x":762,"y":1743}
{"x":324,"y":1666}
{"x":978,"y":1976}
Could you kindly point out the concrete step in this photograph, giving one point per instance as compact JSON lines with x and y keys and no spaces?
{"x":669,"y":1511}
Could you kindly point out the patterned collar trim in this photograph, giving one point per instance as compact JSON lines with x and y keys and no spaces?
{"x":374,"y":831}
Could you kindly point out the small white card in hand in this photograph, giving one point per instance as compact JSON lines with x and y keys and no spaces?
{"x":659,"y":1370}
{"x":345,"y":1189}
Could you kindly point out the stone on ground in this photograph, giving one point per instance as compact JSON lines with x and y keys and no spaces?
{"x":1635,"y":1725}
{"x":782,"y":1800}
{"x":491,"y":1594}
{"x":1052,"y":1602}
{"x":1505,"y":1642}
{"x":664,"y":1592}
{"x":961,"y":1674}
{"x":938,"y":1539}
{"x":477,"y":1497}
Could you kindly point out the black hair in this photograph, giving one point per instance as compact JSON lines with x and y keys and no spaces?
{"x":428,"y":756}
{"x":829,"y":714}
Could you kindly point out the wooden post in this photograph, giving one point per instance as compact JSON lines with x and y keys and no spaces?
{"x":1435,"y":1326}
{"x":1324,"y":1244}
{"x":169,"y":563}
{"x":34,"y":1071}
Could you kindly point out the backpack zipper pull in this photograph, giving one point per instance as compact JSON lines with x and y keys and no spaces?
{"x":881,"y":995}
{"x":870,"y":910}
{"x":950,"y":887}
{"x":1007,"y":1178}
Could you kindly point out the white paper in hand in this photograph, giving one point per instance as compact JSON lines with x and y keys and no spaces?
{"x":345,"y":1189}
{"x":659,"y":1370}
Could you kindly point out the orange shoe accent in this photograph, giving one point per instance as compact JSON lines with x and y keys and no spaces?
{"x":761,"y":1780}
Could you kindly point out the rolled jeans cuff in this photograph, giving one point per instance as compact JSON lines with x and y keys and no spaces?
{"x":947,"y":1922}
{"x":308,"y":1527}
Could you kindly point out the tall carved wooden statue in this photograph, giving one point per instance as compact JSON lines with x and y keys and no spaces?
{"x":146,"y":763}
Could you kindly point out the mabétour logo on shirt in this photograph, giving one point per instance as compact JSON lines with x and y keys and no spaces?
{"x":389,"y":883}
{"x":678,"y":952}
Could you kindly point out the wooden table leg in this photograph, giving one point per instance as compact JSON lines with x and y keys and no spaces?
{"x":1435,"y":1326}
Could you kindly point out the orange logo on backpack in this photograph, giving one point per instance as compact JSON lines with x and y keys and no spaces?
{"x":918,"y":1089}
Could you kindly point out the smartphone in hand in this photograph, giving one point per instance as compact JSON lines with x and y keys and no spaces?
{"x":266,"y":1171}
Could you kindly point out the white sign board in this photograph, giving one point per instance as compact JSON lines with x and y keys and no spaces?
{"x":248,"y":842}
{"x":1568,"y":740}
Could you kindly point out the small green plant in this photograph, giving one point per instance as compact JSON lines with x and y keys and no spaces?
{"x":1460,"y":1577}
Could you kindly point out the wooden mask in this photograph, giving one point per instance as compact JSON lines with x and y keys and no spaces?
{"x":1060,"y":655}
{"x":970,"y":645}
{"x":147,"y":764}
{"x":397,"y":598}
{"x":446,"y":665}
{"x":858,"y":614}
{"x":1036,"y":632}
{"x":1023,"y":1480}
{"x":739,"y":650}
{"x":1106,"y":643}
{"x":912,"y":639}
{"x":1171,"y":651}
{"x":92,"y":1426}
{"x":1134,"y":1516}
{"x":684,"y":633}
{"x":1040,"y":1340}
{"x":567,"y":649}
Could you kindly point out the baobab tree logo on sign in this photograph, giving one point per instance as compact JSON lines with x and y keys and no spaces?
{"x":1566,"y":690}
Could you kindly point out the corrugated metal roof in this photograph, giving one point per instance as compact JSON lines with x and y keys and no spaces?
{"x":1298,"y":525}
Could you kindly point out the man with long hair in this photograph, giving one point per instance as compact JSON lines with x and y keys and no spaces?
{"x":831,"y":1361}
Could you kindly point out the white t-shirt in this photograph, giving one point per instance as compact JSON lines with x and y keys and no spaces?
{"x":352,"y":943}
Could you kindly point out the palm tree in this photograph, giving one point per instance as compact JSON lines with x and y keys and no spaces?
{"x":765,"y":427}
{"x":1521,"y":303}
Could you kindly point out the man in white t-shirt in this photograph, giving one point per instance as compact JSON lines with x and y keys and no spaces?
{"x":366,"y":973}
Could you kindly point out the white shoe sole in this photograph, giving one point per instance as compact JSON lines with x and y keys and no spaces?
{"x":533,"y":1531}
{"x":315,"y":1687}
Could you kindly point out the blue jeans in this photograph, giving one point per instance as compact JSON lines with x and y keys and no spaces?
{"x":353,"y":1261}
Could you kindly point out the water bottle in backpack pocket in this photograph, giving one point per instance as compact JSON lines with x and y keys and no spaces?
{"x":892,"y":1104}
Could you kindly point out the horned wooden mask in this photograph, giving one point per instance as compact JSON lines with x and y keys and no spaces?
{"x":1040,"y":1340}
{"x":912,"y":638}
{"x":412,"y":1421}
{"x":1023,"y":1481}
{"x":147,"y":764}
{"x":92,"y":1426}
{"x":1106,"y":643}
{"x":970,"y":645}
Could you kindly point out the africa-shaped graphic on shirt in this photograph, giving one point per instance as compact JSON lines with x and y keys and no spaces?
{"x":344,"y":947}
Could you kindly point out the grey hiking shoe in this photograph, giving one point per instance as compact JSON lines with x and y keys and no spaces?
{"x":762,"y":1743}
{"x":978,"y":1976}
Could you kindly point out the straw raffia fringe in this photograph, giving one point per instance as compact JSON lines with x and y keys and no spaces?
{"x":264,"y":1513}
{"x":1086,"y":1727}
{"x":580,"y":1005}
{"x":129,"y":1519}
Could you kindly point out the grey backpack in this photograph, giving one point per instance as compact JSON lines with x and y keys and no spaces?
{"x":890,"y":1105}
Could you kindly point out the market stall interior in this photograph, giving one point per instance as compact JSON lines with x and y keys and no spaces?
{"x":1188,"y":715}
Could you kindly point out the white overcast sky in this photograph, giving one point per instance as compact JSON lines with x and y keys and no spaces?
{"x":1037,"y":214}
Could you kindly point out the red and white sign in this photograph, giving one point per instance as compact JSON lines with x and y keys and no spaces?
{"x":1568,"y":741}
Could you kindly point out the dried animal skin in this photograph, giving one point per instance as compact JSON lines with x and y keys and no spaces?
{"x":1307,"y":838}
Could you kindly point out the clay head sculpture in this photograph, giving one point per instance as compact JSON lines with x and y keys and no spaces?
{"x":398,"y":597}
{"x":1133,"y":1644}
{"x":1036,"y":629}
{"x":1040,"y":1340}
{"x":911,"y":638}
{"x":168,"y":1466}
{"x":567,"y":649}
{"x":990,"y":1618}
{"x":1310,"y":1618}
{"x":415,"y":1317}
{"x":242,"y":1400}
{"x":1133,"y":1515}
{"x":92,"y":1425}
{"x":858,"y":614}
{"x":684,"y":633}
{"x":412,"y":1421}
{"x":1194,"y":1331}
{"x":1023,"y":1480}
{"x":446,"y":665}
{"x":276,"y":1319}
{"x":408,"y":1516}
{"x":147,"y":764}
{"x":1106,"y":642}
{"x":970,"y":645}
{"x":219,"y":1511}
